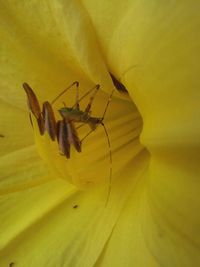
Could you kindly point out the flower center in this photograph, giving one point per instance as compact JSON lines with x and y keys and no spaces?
{"x":90,"y":138}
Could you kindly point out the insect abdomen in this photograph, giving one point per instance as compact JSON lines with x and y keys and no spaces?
{"x":94,"y":122}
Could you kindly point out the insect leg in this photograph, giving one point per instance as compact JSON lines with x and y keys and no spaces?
{"x":87,"y":135}
{"x":64,"y":104}
{"x":77,"y":97}
{"x":109,"y":99}
{"x":87,"y":110}
{"x":110,"y":155}
{"x":87,"y":93}
{"x":55,"y":99}
{"x":80,"y":126}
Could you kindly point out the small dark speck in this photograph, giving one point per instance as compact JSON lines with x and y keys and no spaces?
{"x":118,"y":85}
{"x":1,"y":135}
{"x":11,"y":264}
{"x":75,"y":206}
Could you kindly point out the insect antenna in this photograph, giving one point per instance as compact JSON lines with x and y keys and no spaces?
{"x":77,"y":97}
{"x":64,"y":91}
{"x":110,"y":155}
{"x":109,"y":147}
{"x":109,"y":99}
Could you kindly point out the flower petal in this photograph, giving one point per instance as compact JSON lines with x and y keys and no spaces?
{"x":166,"y":83}
{"x":160,"y":223}
{"x":20,"y":170}
{"x":80,"y":34}
{"x":165,"y":86}
{"x":172,"y":231}
{"x":15,"y":128}
{"x":63,"y":231}
{"x":32,"y":51}
{"x":127,"y":245}
{"x":39,"y":53}
{"x":158,"y":60}
{"x":25,"y":207}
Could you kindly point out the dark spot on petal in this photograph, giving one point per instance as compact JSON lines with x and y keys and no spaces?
{"x":75,"y":206}
{"x":118,"y":85}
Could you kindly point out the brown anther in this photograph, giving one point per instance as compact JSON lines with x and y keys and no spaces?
{"x":34,"y":107}
{"x":49,"y":120}
{"x":32,"y":101}
{"x":62,"y":137}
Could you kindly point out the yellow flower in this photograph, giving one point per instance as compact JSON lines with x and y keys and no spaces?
{"x":152,"y":215}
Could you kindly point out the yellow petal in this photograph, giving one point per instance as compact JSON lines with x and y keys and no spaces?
{"x":80,"y":34}
{"x":157,"y":59}
{"x":82,"y":45}
{"x":25,"y":57}
{"x":167,"y":81}
{"x":15,"y":128}
{"x":158,"y":70}
{"x":160,"y":223}
{"x":21,"y":169}
{"x":60,"y":230}
{"x":32,"y":51}
{"x":127,"y":245}
{"x":25,"y":207}
{"x":173,"y":225}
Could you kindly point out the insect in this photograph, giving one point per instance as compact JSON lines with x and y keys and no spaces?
{"x":65,"y":130}
{"x":11,"y":264}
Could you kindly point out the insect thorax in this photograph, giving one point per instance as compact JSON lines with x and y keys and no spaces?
{"x":76,"y":115}
{"x":73,"y":114}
